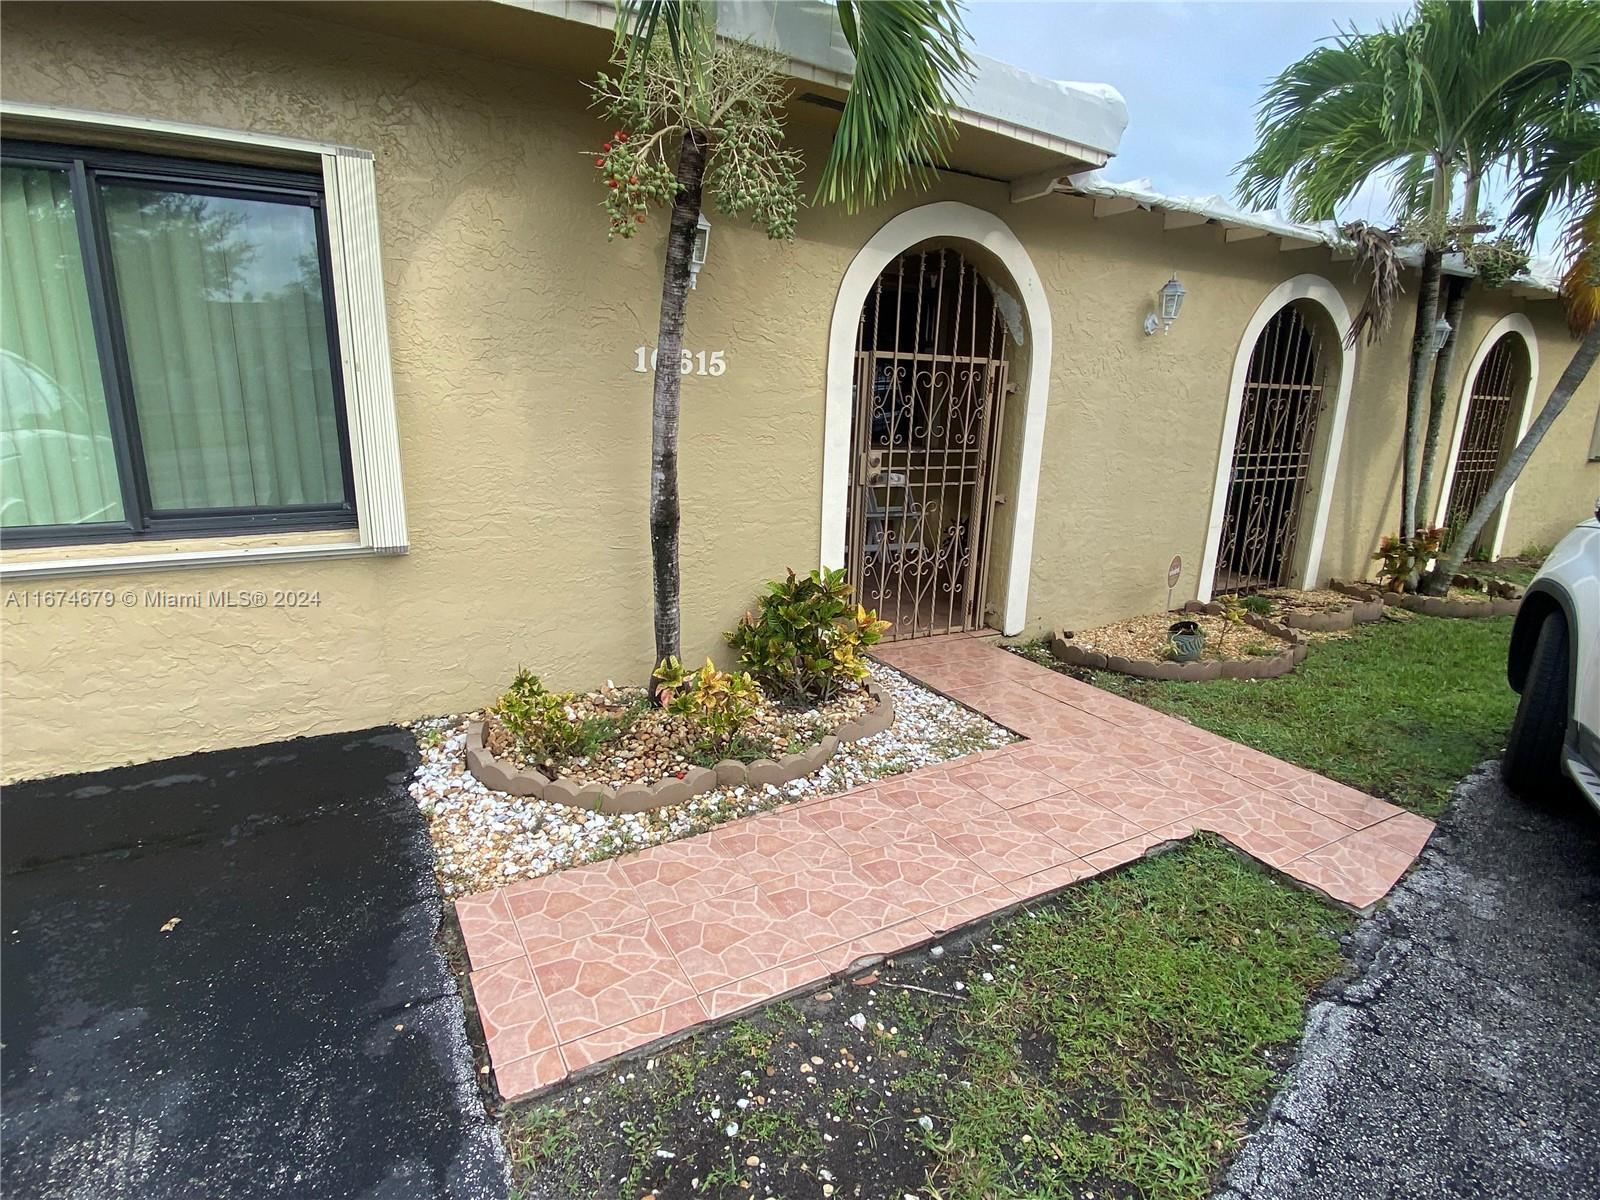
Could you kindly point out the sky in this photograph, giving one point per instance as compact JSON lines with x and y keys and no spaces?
{"x":1191,"y":73}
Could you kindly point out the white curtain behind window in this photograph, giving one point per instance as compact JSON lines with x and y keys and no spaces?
{"x":221,"y":302}
{"x":57,"y":460}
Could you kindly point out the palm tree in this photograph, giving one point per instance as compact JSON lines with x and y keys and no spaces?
{"x":1564,"y":175}
{"x":1433,"y":102}
{"x":910,"y":57}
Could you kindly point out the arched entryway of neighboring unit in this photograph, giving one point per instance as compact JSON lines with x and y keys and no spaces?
{"x":938,"y":359}
{"x":1496,"y":392}
{"x":1283,"y":430}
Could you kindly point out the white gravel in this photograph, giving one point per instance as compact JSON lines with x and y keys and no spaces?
{"x":484,"y":839}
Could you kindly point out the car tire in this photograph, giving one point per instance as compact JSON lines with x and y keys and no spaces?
{"x":1532,"y":765}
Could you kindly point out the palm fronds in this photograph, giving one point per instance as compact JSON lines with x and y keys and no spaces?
{"x":1563,"y":176}
{"x":1443,"y":96}
{"x":1580,"y":285}
{"x":910,"y":59}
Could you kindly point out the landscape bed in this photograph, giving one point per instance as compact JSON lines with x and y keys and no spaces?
{"x":484,"y":839}
{"x":1459,"y":602}
{"x":1241,"y":646}
{"x":642,"y":768}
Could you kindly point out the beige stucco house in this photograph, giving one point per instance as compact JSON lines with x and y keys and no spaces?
{"x":359,"y":420}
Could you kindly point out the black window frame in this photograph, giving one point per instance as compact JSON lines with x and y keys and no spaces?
{"x":86,"y":167}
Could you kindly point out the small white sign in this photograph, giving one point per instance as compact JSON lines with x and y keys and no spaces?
{"x":690,"y":362}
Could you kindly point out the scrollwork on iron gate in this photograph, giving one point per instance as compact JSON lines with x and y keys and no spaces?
{"x":1272,"y":456}
{"x":930,"y":387}
{"x":1483,"y":436}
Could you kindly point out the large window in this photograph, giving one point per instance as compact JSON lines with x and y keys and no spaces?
{"x":168,"y":357}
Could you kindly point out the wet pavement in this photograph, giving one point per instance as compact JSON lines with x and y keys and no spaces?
{"x":1459,"y":1060}
{"x":220,"y":979}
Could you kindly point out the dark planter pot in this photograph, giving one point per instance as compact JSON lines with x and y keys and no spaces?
{"x":1188,"y":640}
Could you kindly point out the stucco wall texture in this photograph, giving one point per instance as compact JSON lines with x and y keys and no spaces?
{"x":525,"y":431}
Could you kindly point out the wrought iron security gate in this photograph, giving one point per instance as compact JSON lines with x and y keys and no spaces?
{"x":1483,"y":437}
{"x":930,"y":387}
{"x":1272,"y":455}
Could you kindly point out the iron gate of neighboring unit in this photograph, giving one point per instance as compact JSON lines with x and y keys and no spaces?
{"x":930,"y":387}
{"x":1483,"y":437}
{"x":1272,"y":455}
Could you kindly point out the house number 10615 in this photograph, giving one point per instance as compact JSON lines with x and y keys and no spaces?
{"x":690,"y":362}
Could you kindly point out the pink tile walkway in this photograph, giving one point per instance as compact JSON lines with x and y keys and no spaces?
{"x":598,"y":960}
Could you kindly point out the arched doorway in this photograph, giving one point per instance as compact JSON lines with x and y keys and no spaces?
{"x":988,"y":241}
{"x":1490,"y":419}
{"x":932,"y":374}
{"x":1274,"y":449}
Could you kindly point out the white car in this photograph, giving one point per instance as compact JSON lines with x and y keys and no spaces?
{"x":1554,"y":663}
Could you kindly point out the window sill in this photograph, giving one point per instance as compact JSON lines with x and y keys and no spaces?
{"x":46,"y":562}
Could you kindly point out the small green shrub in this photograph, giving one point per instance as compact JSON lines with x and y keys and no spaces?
{"x":1258,"y":650}
{"x":1260,"y":605}
{"x":1402,"y":557}
{"x":717,"y":705}
{"x":539,"y":722}
{"x":805,"y":642}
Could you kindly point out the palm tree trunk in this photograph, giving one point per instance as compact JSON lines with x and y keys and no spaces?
{"x":1577,"y":370}
{"x":664,"y":395}
{"x":1427,"y":314}
{"x":1455,"y":305}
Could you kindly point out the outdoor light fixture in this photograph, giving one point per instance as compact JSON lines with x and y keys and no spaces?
{"x":1172,"y":294}
{"x":697,"y":255}
{"x":1441,"y":334}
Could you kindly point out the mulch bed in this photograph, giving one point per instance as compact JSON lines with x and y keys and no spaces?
{"x":1146,"y":637}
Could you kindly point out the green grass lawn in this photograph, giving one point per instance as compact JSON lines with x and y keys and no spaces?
{"x":1117,"y":1040}
{"x":1401,"y":709}
{"x":1120,"y":1045}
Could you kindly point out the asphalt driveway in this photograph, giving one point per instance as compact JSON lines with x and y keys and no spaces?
{"x":1461,"y":1059}
{"x":220,"y":979}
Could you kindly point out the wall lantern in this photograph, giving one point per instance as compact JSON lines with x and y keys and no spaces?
{"x":697,"y":255}
{"x":1172,"y":294}
{"x":1441,"y":334}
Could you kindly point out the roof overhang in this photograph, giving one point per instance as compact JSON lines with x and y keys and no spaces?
{"x":1182,"y":212}
{"x":1009,"y":123}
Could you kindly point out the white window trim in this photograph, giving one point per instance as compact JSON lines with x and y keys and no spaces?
{"x":1510,"y":323}
{"x":350,"y":197}
{"x":1302,"y":287}
{"x":960,"y":222}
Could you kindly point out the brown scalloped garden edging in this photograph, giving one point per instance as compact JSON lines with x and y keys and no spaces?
{"x":502,"y":776}
{"x":1363,"y":610}
{"x":1266,"y":667}
{"x":1430,"y":606}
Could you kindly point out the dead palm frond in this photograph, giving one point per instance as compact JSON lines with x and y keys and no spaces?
{"x":1377,"y":254}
